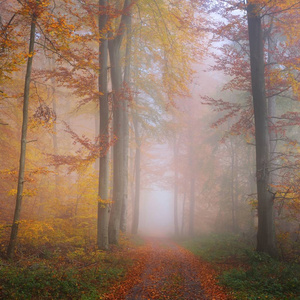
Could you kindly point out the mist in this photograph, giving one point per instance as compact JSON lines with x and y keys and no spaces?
{"x":146,"y":125}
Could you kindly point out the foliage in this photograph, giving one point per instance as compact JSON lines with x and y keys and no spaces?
{"x":218,"y":248}
{"x":65,"y":272}
{"x":249,"y":274}
{"x":264,"y":278}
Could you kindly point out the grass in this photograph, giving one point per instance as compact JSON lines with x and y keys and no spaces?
{"x":250,"y":275}
{"x":72,"y":273}
{"x":218,"y":248}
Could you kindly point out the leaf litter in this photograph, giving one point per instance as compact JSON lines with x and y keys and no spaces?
{"x":164,"y":270}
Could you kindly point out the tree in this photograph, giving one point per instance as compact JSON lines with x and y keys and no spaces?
{"x":103,"y":205}
{"x":126,"y":105}
{"x":192,"y":181}
{"x":21,"y":180}
{"x":176,"y":157}
{"x":279,"y":76}
{"x":137,"y":168}
{"x":266,"y":229}
{"x":114,"y":46}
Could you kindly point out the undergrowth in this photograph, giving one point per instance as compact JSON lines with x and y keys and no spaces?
{"x":64,"y":273}
{"x":249,"y":274}
{"x":217,"y":248}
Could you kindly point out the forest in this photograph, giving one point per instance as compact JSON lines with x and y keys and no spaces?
{"x":150,"y":149}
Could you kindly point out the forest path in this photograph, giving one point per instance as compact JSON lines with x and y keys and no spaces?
{"x":164,"y":270}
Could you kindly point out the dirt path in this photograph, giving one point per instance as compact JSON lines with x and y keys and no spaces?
{"x":164,"y":270}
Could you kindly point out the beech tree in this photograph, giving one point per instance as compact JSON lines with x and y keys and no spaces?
{"x":266,"y":229}
{"x":267,"y":82}
{"x":126,"y":105}
{"x":137,"y":169}
{"x":103,"y":205}
{"x":119,"y":170}
{"x":34,"y":12}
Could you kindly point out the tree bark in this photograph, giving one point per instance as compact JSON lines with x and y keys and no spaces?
{"x":272,"y":109}
{"x":175,"y":151}
{"x":192,"y":186}
{"x":21,"y":180}
{"x":265,"y":233}
{"x":54,"y":135}
{"x":118,"y":122}
{"x":233,"y":189}
{"x":136,"y":208}
{"x":183,"y":212}
{"x":126,"y":102}
{"x":118,"y":157}
{"x":103,"y":205}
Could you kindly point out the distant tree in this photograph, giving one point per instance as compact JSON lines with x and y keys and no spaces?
{"x":176,"y":181}
{"x":137,"y":168}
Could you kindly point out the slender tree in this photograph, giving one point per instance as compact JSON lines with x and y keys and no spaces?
{"x":103,"y":205}
{"x":175,"y":152}
{"x":126,"y":105}
{"x":21,"y":179}
{"x":192,"y":184}
{"x":136,"y":204}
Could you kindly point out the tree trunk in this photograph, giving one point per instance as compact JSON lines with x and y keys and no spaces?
{"x":272,"y":110}
{"x":118,"y":155}
{"x":232,"y":189}
{"x":118,"y":123}
{"x":265,"y":233}
{"x":183,"y":212}
{"x":192,"y":186}
{"x":136,"y":208}
{"x":103,"y":206}
{"x":176,"y":227}
{"x":126,"y":124}
{"x":21,"y":180}
{"x":54,"y":135}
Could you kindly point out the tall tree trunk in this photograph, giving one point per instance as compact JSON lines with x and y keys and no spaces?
{"x":272,"y":109}
{"x":252,"y":187}
{"x":103,"y":191}
{"x":175,"y":151}
{"x":118,"y":123}
{"x":232,"y":189}
{"x":136,"y":208}
{"x":192,"y":186}
{"x":21,"y":180}
{"x":54,"y":135}
{"x":265,"y":233}
{"x":118,"y":155}
{"x":126,"y":124}
{"x":183,"y":212}
{"x":192,"y":207}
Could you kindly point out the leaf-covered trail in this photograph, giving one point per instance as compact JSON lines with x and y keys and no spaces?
{"x":164,"y":270}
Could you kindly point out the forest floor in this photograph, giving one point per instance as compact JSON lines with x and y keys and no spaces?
{"x":209,"y":267}
{"x":165,"y":270}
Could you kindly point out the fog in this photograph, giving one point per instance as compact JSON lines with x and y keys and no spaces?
{"x":178,"y":137}
{"x":156,"y":218}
